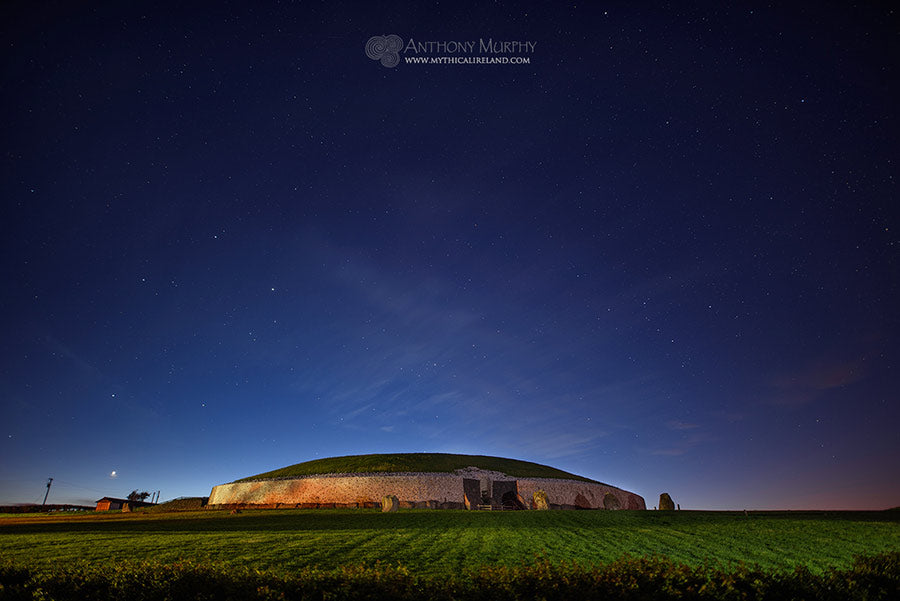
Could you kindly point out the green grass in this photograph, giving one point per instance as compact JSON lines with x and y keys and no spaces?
{"x":448,"y":542}
{"x":415,"y":462}
{"x":870,"y":578}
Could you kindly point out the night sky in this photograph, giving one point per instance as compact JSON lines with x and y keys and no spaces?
{"x":658,"y":248}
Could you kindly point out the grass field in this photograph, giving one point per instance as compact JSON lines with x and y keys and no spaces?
{"x":448,"y":542}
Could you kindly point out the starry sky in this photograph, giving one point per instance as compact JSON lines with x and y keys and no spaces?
{"x":658,"y":247}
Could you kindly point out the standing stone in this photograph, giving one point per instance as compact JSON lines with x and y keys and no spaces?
{"x":540,"y":500}
{"x":389,"y":503}
{"x":666,"y":503}
{"x":471,"y":493}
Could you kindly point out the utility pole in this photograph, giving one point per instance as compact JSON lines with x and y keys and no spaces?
{"x":49,"y":482}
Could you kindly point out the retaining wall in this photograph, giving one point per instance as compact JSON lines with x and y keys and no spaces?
{"x":412,"y":489}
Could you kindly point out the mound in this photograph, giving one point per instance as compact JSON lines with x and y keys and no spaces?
{"x":180,"y":504}
{"x":434,"y":480}
{"x":442,"y":463}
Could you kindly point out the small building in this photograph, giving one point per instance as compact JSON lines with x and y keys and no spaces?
{"x":111,"y":503}
{"x":108,"y":503}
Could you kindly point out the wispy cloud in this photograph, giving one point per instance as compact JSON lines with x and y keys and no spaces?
{"x":436,"y":368}
{"x":670,"y":452}
{"x":683,"y":446}
{"x":680,"y":425}
{"x":808,"y":383}
{"x":63,"y":350}
{"x":563,"y":444}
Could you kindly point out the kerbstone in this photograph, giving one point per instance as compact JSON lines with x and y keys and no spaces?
{"x":390,"y":503}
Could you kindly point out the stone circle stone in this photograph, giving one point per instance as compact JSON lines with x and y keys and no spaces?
{"x":666,"y":503}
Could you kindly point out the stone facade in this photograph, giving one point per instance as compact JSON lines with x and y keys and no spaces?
{"x":413,"y":489}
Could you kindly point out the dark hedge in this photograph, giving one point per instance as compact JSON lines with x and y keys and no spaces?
{"x":870,"y":578}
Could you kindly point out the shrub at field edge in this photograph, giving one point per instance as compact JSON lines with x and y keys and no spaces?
{"x":872,"y":578}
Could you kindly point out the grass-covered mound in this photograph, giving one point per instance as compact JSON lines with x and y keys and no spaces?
{"x":179,"y":504}
{"x":416,"y":462}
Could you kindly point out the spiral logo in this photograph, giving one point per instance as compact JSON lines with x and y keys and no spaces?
{"x":385,"y":48}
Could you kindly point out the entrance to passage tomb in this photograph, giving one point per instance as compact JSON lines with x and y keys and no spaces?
{"x":472,"y":493}
{"x":504,"y":494}
{"x":491,"y":494}
{"x":511,"y":500}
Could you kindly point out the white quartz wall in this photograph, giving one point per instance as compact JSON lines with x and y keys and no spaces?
{"x":410,"y":487}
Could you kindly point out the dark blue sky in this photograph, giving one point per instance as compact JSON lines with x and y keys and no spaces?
{"x":663,"y":253}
